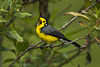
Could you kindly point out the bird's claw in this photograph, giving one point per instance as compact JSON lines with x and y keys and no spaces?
{"x":51,"y":46}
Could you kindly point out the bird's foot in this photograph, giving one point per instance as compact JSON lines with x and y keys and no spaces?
{"x":42,"y":46}
{"x":51,"y":46}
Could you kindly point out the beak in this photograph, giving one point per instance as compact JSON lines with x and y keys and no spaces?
{"x":37,"y":24}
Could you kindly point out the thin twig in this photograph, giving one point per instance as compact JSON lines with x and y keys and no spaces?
{"x":11,"y":21}
{"x":91,"y":6}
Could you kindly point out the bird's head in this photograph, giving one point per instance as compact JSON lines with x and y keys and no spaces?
{"x":42,"y":21}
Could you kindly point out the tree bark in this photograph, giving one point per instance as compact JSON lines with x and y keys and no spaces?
{"x":43,"y":8}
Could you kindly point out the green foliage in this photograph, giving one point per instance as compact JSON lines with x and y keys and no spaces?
{"x":10,"y":14}
{"x":10,"y":32}
{"x":18,"y":21}
{"x":22,"y":15}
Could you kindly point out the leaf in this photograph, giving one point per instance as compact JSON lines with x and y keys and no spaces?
{"x":78,"y":14}
{"x":97,"y":12}
{"x":13,"y":51}
{"x":82,"y":24}
{"x":98,"y":40}
{"x":8,"y":60}
{"x":22,"y":15}
{"x":95,"y":27}
{"x":10,"y":32}
{"x":3,"y":10}
{"x":2,"y":20}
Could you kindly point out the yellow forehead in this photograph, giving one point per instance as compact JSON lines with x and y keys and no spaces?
{"x":42,"y":19}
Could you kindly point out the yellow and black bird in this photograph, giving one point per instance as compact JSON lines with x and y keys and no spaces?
{"x":49,"y":34}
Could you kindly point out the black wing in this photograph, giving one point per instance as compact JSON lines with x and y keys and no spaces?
{"x":49,"y":30}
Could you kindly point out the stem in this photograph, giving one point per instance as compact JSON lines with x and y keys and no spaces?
{"x":12,"y":8}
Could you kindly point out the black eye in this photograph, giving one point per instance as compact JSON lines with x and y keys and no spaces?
{"x":43,"y":21}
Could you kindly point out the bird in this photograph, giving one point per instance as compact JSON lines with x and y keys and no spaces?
{"x":49,"y":34}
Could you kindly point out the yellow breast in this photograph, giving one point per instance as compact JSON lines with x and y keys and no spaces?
{"x":46,"y":38}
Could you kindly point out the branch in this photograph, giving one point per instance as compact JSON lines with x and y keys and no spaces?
{"x":87,"y":43}
{"x":11,"y":21}
{"x":68,"y":23}
{"x":43,"y":8}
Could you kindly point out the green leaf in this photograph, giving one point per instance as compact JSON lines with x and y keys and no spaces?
{"x":3,"y":10}
{"x":97,"y":11}
{"x":2,"y":20}
{"x":13,"y":51}
{"x":22,"y":15}
{"x":10,"y":32}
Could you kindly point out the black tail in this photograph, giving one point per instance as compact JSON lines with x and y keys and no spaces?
{"x":74,"y":43}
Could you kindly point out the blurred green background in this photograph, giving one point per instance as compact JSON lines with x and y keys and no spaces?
{"x":57,"y":10}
